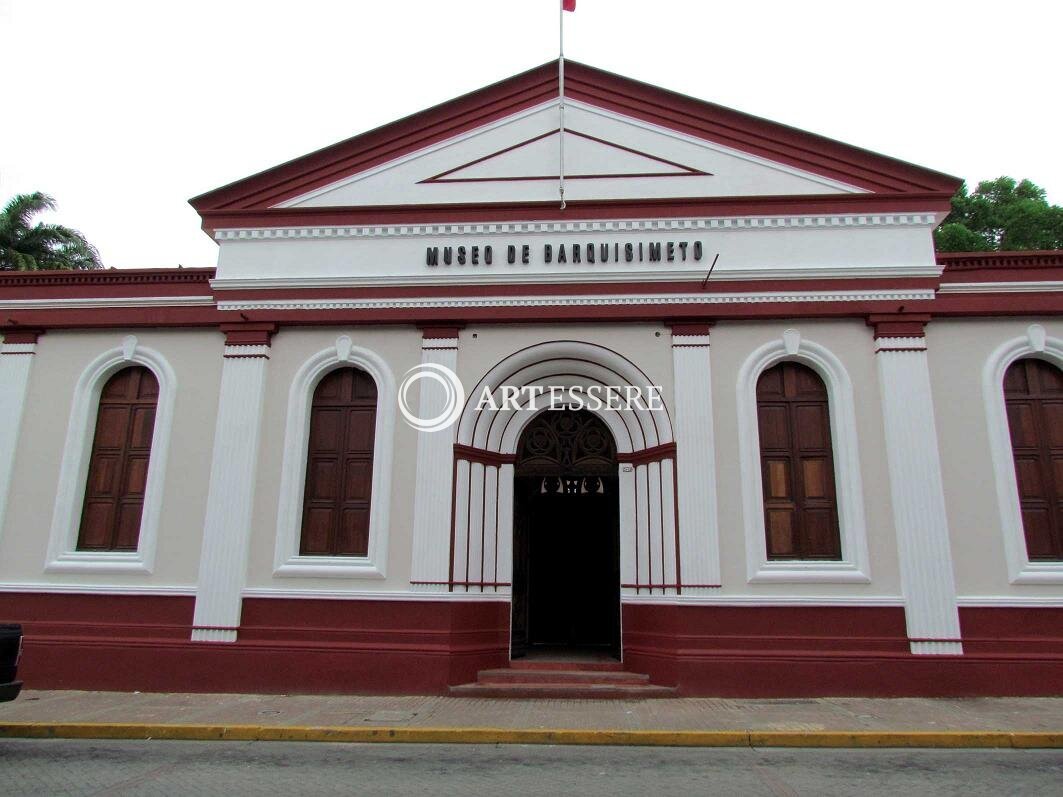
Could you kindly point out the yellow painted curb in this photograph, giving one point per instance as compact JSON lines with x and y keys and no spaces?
{"x":303,"y":733}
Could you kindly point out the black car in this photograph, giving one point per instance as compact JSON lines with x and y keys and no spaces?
{"x":10,"y":651}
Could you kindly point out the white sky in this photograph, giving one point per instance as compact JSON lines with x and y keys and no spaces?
{"x":125,"y":110}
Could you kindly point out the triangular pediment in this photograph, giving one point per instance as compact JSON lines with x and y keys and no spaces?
{"x":608,"y":156}
{"x":586,"y":158}
{"x":625,"y":141}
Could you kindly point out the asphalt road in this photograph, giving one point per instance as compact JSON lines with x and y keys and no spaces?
{"x":46,"y":767}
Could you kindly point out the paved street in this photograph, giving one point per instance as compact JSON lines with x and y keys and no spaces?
{"x":47,"y":767}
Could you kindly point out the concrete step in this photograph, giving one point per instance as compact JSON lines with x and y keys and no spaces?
{"x":568,"y":665}
{"x":563,"y":691}
{"x":544,"y":676}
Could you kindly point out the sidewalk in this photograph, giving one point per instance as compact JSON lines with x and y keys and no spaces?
{"x":814,"y":722}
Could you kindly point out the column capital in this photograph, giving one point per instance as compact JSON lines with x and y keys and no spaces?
{"x":440,"y":331}
{"x":248,"y":339}
{"x":21,"y":335}
{"x":436,"y":337}
{"x":690,"y":328}
{"x":255,"y":333}
{"x":898,"y":325}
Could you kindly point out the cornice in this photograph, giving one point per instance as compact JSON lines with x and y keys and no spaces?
{"x":578,"y":301}
{"x":20,"y":279}
{"x":580,"y":210}
{"x":970,"y":261}
{"x":105,"y":301}
{"x":1032,"y":286}
{"x":558,"y":278}
{"x":490,"y":228}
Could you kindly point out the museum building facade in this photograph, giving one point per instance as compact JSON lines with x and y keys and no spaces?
{"x":789,"y":449}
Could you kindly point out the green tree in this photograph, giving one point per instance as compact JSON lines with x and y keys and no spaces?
{"x":1001,"y":215}
{"x":41,"y":246}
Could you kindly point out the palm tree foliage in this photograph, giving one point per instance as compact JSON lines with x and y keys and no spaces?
{"x":41,"y":246}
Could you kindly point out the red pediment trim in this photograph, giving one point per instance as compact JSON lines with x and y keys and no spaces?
{"x":448,"y":176}
{"x":715,"y":123}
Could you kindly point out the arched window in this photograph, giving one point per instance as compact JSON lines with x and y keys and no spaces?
{"x":118,"y":465}
{"x":797,"y":464}
{"x":339,"y":466}
{"x":1033,"y":395}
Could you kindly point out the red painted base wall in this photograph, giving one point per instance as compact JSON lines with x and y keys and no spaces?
{"x":819,"y":651}
{"x":142,"y":643}
{"x":298,"y":646}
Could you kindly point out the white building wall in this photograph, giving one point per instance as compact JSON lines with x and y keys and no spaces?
{"x":958,"y":351}
{"x":62,"y":356}
{"x":400,"y":349}
{"x":851,"y":342}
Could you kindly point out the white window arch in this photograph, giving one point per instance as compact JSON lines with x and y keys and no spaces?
{"x":287,"y":559}
{"x":854,"y":565}
{"x":1035,"y":343}
{"x":63,"y":556}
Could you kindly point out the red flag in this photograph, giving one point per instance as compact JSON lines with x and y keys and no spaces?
{"x":568,"y":5}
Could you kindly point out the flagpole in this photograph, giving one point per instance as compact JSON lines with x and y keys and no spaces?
{"x":561,"y":94}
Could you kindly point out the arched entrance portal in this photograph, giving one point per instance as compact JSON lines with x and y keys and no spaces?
{"x":566,"y":545}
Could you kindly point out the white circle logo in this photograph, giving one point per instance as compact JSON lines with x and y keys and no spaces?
{"x":453,"y":397}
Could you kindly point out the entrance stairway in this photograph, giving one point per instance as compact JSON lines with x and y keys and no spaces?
{"x":544,"y":678}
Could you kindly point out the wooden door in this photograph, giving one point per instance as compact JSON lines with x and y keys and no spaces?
{"x":339,"y":466}
{"x":118,"y":467}
{"x":797,"y":464}
{"x":1033,"y":394}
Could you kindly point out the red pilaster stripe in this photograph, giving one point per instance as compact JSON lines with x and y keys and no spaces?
{"x":471,"y":454}
{"x":647,"y":455}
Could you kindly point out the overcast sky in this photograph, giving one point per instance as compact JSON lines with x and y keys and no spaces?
{"x":125,"y":110}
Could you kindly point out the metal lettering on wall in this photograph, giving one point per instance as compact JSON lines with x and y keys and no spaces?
{"x":576,"y":253}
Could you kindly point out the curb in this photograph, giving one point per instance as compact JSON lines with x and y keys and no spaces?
{"x":304,"y":733}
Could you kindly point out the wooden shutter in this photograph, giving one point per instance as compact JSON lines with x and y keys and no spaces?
{"x":1033,"y":394}
{"x":339,"y":467}
{"x":797,"y":464}
{"x":118,"y":468}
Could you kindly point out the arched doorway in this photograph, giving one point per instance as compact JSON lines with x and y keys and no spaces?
{"x":566,"y":544}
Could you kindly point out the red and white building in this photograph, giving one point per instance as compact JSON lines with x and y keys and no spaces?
{"x":851,"y":484}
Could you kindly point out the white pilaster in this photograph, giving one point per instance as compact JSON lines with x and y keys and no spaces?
{"x":699,"y":534}
{"x":628,"y":528}
{"x":434,"y":479}
{"x":16,"y":361}
{"x":918,"y":496}
{"x":504,"y":490}
{"x":227,"y":528}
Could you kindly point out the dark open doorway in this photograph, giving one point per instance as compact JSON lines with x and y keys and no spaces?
{"x":566,"y":546}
